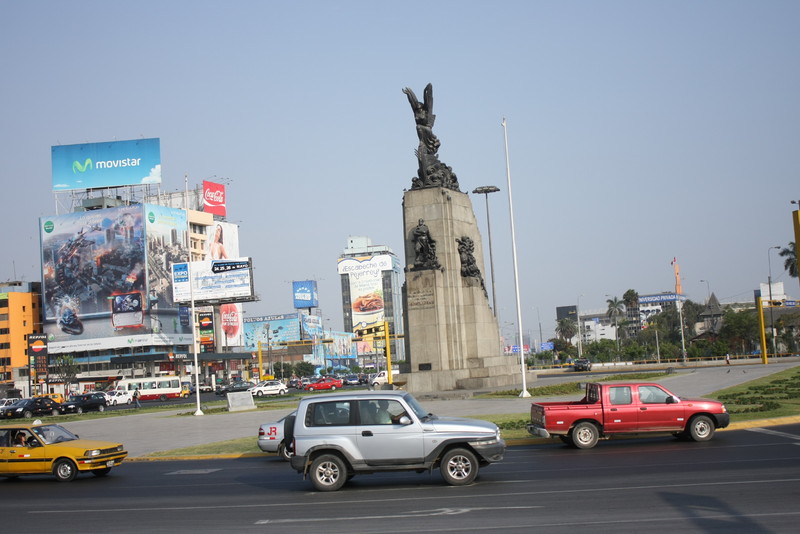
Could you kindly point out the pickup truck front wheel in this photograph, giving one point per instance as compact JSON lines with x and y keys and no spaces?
{"x":701,"y":428}
{"x":585,"y":435}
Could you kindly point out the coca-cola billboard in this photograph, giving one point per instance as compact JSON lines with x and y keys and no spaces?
{"x":214,"y":198}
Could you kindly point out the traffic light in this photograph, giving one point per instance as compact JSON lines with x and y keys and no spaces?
{"x":371,"y":331}
{"x":776,"y":303}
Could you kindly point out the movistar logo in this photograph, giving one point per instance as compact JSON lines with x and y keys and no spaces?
{"x":77,"y":167}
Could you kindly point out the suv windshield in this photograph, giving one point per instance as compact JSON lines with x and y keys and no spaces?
{"x":420,"y":412}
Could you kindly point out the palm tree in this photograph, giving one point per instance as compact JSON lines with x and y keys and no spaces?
{"x":790,"y":263}
{"x":566,"y":328}
{"x":615,"y":308}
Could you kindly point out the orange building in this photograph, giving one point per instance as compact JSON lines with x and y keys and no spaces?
{"x":20,"y":315}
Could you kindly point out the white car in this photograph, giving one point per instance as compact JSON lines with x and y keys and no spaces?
{"x":119,"y":396}
{"x":268,"y":387}
{"x":270,"y":438}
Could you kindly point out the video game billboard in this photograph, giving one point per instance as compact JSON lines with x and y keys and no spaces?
{"x":105,"y":278}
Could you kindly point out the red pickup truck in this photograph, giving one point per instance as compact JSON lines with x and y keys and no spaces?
{"x":626,"y":408}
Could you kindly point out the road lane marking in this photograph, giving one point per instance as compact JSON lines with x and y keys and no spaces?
{"x":405,"y":515}
{"x":774,"y":433}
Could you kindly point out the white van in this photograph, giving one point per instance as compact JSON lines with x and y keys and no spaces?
{"x":383,"y":378}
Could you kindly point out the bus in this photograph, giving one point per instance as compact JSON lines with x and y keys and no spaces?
{"x":153,"y":388}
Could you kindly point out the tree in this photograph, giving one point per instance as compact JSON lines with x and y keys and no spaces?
{"x":566,"y":328}
{"x":304,"y":368}
{"x":66,"y":370}
{"x":790,"y":263}
{"x":740,"y":330}
{"x":615,"y":308}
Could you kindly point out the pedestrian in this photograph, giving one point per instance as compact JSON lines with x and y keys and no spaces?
{"x":136,"y":398}
{"x":728,"y":359}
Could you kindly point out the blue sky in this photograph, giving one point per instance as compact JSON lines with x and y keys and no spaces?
{"x":638,"y":131}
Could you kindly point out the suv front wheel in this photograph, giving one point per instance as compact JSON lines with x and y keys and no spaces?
{"x":459,"y":467}
{"x":328,"y":472}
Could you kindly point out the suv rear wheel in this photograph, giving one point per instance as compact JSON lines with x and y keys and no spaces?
{"x":328,"y":472}
{"x":459,"y":467}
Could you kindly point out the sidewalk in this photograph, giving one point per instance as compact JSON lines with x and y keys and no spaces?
{"x":145,"y":433}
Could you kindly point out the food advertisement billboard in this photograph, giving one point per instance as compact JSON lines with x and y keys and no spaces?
{"x":109,"y":164}
{"x":106,"y":278}
{"x":365,"y":277}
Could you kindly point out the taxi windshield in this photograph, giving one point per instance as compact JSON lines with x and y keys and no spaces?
{"x":50,"y":434}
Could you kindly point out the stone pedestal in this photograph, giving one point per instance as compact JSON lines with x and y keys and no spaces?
{"x":452,"y":336}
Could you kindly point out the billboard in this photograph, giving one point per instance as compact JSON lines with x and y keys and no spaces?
{"x":214,"y":281}
{"x":214,"y":200}
{"x":270,"y":328}
{"x":109,"y":164}
{"x":365,"y":277}
{"x":305,"y":294}
{"x":106,"y":278}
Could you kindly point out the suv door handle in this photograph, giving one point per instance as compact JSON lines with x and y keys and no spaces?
{"x":367,"y":433}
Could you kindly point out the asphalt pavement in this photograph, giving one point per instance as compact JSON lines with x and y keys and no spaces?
{"x":144,"y":433}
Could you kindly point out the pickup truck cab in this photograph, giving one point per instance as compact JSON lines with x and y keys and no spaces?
{"x":610,"y":409}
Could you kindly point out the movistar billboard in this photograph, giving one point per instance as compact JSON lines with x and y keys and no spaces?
{"x":111,"y":164}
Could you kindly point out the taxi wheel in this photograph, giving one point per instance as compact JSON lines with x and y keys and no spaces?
{"x":65,"y":470}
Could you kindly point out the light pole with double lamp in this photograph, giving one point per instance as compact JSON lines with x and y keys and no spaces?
{"x":485,"y":190}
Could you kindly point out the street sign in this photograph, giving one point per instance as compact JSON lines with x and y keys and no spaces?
{"x":547,"y":345}
{"x":515,"y":348}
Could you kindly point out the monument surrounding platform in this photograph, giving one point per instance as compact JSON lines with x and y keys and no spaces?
{"x":452,"y":336}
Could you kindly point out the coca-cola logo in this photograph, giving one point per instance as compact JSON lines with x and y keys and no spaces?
{"x":215,"y":196}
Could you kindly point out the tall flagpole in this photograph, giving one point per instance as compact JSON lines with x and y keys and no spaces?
{"x":516,"y":271}
{"x":191,"y":296}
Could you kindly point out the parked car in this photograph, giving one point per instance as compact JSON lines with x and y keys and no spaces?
{"x":336,"y":437}
{"x":271,"y":438}
{"x":27,"y":408}
{"x":7,"y":402}
{"x":42,"y":449}
{"x":85,"y":403}
{"x":324,"y":383}
{"x":119,"y":396}
{"x":609,"y":409}
{"x":234,"y":387}
{"x":268,"y":387}
{"x":582,"y":364}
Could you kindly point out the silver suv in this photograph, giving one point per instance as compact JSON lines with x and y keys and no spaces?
{"x":335,"y":437}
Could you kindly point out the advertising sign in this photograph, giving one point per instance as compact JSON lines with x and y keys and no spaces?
{"x":109,"y":164}
{"x":365,"y":277}
{"x":37,"y":352}
{"x":217,"y":280}
{"x":205,"y":329}
{"x":222,"y":241}
{"x":272,"y":329}
{"x":214,"y":201}
{"x":106,"y":278}
{"x":305,"y":294}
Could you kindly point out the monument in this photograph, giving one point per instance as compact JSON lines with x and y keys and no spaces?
{"x":452,"y":336}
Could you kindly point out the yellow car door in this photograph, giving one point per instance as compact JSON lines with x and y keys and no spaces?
{"x":20,"y":459}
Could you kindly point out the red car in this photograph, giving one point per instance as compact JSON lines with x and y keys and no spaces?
{"x":324,"y":383}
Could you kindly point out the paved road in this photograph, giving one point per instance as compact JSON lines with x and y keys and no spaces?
{"x":145,"y":433}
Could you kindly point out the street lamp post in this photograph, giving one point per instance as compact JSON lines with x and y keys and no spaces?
{"x":485,"y":190}
{"x":525,"y":392}
{"x":771,"y":316}
{"x":708,"y":291}
{"x":580,"y":336}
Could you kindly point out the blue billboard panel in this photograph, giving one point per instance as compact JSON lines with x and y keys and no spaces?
{"x":305,"y":294}
{"x":270,"y":329}
{"x":109,"y":164}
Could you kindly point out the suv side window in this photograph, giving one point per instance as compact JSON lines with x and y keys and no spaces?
{"x":380,"y":412}
{"x":332,"y":413}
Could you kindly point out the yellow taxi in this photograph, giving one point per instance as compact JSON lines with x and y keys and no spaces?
{"x":42,"y":449}
{"x":58,"y":397}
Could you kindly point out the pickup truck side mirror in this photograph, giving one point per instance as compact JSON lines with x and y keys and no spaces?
{"x":405,"y":420}
{"x":672,"y":399}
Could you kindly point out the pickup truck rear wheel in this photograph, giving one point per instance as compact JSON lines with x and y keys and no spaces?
{"x":585,"y":435}
{"x":459,"y":467}
{"x":701,"y":428}
{"x":328,"y":472}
